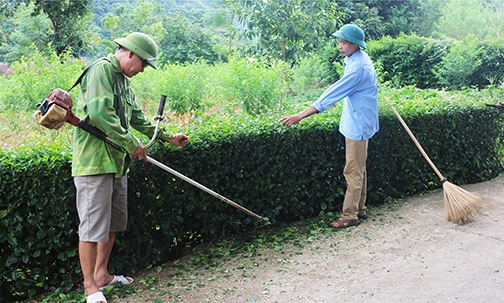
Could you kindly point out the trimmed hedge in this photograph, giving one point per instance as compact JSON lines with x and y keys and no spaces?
{"x":38,"y":222}
{"x":283,"y":173}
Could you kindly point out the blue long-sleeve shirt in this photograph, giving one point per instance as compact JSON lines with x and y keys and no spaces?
{"x":359,"y":89}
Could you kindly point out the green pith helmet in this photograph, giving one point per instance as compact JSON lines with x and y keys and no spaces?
{"x":352,"y":33}
{"x":142,"y":45}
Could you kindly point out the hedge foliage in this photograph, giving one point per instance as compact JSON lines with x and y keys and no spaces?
{"x":37,"y":221}
{"x":430,"y":63}
{"x":283,"y":173}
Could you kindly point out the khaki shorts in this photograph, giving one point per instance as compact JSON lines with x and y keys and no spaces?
{"x":102,"y":206}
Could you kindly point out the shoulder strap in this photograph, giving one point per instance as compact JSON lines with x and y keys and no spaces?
{"x":119,"y":107}
{"x":84,"y":73}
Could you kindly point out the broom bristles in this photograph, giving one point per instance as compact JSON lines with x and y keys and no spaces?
{"x":461,"y":206}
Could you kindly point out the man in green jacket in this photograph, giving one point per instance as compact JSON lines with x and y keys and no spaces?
{"x":106,"y":101}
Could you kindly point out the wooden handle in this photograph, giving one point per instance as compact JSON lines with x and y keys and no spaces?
{"x":415,"y":140}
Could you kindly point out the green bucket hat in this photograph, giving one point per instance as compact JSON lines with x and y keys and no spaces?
{"x":142,"y":45}
{"x":352,"y":33}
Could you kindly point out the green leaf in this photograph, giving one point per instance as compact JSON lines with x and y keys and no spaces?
{"x":11,"y":261}
{"x":13,"y":241}
{"x":3,"y":213}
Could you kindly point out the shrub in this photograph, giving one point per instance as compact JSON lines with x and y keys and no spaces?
{"x":252,"y":85}
{"x":309,"y":72}
{"x":491,"y":70}
{"x":456,"y":69}
{"x":38,"y":222}
{"x":407,"y":60}
{"x":332,"y":62}
{"x":428,"y":63}
{"x":34,"y":78}
{"x":184,"y":86}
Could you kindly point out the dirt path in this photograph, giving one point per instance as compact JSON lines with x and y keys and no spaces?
{"x":408,"y":254}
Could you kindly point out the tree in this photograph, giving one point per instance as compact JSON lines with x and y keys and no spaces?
{"x":221,"y":20}
{"x":284,"y":27}
{"x":461,"y":18}
{"x":390,"y":17}
{"x":186,"y":42}
{"x":139,"y":17}
{"x":494,"y":17}
{"x":179,"y":39}
{"x":23,"y":34}
{"x":65,"y":16}
{"x":365,"y":14}
{"x":429,"y":12}
{"x":297,"y":25}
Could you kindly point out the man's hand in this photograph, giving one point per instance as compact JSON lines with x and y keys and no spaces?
{"x":290,"y":120}
{"x":293,"y":119}
{"x":178,"y":140}
{"x":139,"y":153}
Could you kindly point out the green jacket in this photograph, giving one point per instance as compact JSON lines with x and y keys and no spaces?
{"x":92,"y":156}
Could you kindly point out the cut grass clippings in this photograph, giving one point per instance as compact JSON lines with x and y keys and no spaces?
{"x":238,"y":260}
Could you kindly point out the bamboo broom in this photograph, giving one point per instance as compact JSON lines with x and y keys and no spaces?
{"x":460,"y":205}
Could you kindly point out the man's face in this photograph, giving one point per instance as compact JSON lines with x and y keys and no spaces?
{"x":133,"y":65}
{"x":346,"y":48}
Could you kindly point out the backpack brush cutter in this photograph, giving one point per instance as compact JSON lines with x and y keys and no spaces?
{"x":56,"y":109}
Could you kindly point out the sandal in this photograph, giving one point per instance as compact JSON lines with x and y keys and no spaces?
{"x":117,"y":280}
{"x":96,"y":297}
{"x":344,"y":223}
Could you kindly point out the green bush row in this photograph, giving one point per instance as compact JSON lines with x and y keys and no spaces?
{"x":37,"y":222}
{"x":429,"y":63}
{"x":283,"y":173}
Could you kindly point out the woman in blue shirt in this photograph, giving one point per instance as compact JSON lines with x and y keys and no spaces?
{"x":359,"y":119}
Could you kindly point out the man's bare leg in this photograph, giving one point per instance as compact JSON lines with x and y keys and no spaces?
{"x":87,"y":258}
{"x":103,"y":251}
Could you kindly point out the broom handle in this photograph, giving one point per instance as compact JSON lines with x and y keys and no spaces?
{"x":415,"y":140}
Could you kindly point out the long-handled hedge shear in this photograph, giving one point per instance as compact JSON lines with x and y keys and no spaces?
{"x":56,"y":109}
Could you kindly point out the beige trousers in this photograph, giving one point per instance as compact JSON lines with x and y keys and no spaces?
{"x":356,"y":178}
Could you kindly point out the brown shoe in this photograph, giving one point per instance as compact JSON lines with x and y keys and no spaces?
{"x":344,"y":223}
